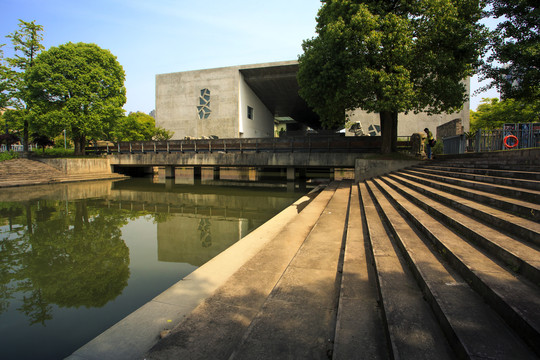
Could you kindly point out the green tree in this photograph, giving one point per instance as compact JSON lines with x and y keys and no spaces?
{"x":80,"y":88}
{"x":390,"y":57}
{"x":492,"y":113}
{"x":136,"y":126}
{"x":27,"y":46}
{"x":514,"y":62}
{"x":139,"y":126}
{"x":162,"y":134}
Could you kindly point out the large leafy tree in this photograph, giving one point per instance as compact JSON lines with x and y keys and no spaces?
{"x":390,"y":57}
{"x":514,"y":62}
{"x":78,"y":87}
{"x":27,"y":46}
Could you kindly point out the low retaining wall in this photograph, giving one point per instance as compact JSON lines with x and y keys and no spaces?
{"x":366,"y":169}
{"x":80,"y":166}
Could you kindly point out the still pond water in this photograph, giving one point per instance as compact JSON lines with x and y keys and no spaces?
{"x":77,"y":258}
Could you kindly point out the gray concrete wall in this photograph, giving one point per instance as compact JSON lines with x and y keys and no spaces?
{"x":366,"y":169}
{"x":80,"y":166}
{"x":178,"y":95}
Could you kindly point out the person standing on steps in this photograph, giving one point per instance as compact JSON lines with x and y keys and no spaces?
{"x":430,"y":142}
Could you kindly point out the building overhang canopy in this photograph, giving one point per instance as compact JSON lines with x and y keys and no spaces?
{"x":277,"y":87}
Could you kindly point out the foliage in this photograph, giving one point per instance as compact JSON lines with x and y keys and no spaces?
{"x":390,"y":57}
{"x":57,"y":152}
{"x":438,"y":148}
{"x":13,"y":121}
{"x":8,"y":139}
{"x":139,"y":126}
{"x":514,"y":62}
{"x":6,"y":81}
{"x":27,"y":45}
{"x":161,"y":134}
{"x":8,"y":155}
{"x":80,"y":88}
{"x":136,"y":126}
{"x":81,"y":247}
{"x":492,"y":113}
{"x":42,"y":141}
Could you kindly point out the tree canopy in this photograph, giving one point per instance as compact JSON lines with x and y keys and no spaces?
{"x":139,"y":126}
{"x":493,"y":113}
{"x":514,"y":61}
{"x":390,"y":57}
{"x":78,"y":87}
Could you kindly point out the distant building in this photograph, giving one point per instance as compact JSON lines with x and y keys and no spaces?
{"x":255,"y":101}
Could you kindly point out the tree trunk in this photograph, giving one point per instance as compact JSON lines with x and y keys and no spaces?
{"x":394,"y":130}
{"x":80,"y":143}
{"x":388,"y":131}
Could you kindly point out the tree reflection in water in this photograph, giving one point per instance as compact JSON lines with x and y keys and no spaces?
{"x":68,"y":251}
{"x":70,"y":255}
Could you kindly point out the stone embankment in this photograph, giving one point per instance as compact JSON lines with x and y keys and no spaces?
{"x":438,"y":261}
{"x":21,"y":172}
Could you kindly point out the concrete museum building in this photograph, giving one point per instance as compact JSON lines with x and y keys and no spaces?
{"x":247,"y":101}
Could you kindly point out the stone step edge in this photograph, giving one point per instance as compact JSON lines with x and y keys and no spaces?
{"x":452,"y":217}
{"x":507,"y":223}
{"x":525,"y":194}
{"x":427,"y":268}
{"x":527,"y":326}
{"x":420,"y":317}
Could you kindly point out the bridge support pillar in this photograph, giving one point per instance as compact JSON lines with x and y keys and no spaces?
{"x":169,"y":172}
{"x":216,"y":173}
{"x":290,"y":173}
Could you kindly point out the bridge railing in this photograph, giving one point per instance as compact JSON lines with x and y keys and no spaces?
{"x":288,"y":144}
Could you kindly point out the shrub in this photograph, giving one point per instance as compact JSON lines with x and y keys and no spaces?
{"x":8,"y":155}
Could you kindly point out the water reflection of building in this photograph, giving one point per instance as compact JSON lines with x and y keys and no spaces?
{"x":197,"y":223}
{"x":195,"y":239}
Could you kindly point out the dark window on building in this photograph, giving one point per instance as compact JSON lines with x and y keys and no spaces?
{"x":250,"y":113}
{"x":204,"y":104}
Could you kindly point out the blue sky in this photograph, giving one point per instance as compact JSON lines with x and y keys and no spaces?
{"x":164,"y":36}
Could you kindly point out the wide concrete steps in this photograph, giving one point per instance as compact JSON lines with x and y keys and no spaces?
{"x":20,"y":172}
{"x":475,"y":262}
{"x":399,"y":266}
{"x":24,"y":169}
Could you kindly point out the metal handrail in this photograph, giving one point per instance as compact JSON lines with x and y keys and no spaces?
{"x":288,"y":144}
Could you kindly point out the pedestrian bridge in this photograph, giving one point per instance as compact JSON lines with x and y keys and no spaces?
{"x":296,"y":154}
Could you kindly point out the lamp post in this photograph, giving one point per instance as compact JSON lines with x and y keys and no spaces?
{"x":65,"y":144}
